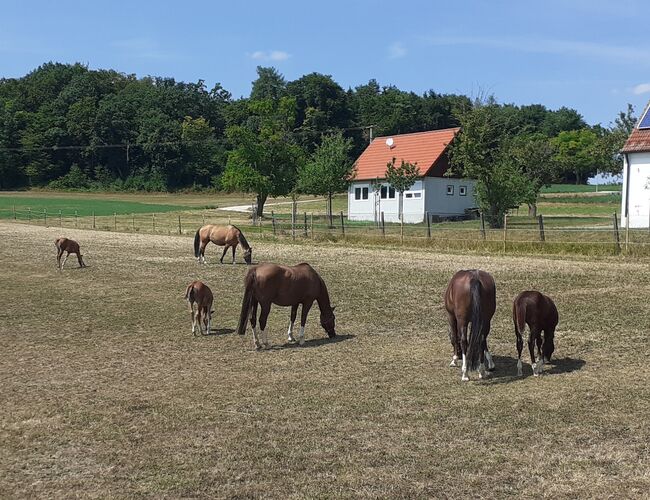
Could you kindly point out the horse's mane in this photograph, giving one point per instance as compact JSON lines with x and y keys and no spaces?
{"x":242,"y":238}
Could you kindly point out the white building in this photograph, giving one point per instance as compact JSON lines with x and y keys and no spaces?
{"x":636,"y":174}
{"x":369,"y":195}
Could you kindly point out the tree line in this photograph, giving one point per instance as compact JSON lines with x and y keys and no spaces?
{"x":66,"y":126}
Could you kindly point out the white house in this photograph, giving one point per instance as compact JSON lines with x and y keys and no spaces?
{"x":369,"y":195}
{"x":636,"y":174}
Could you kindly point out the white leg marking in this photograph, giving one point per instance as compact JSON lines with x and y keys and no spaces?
{"x":454,"y":358}
{"x":290,"y":333}
{"x":255,"y":341}
{"x":209,"y":325}
{"x":490,"y":362}
{"x":193,"y":324}
{"x":301,"y":336}
{"x":265,"y":339}
{"x":64,"y":259}
{"x":519,"y":370}
{"x":464,"y":376}
{"x":481,"y":371}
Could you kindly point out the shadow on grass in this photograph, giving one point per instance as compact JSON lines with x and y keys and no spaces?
{"x":219,"y":331}
{"x":314,"y":342}
{"x":506,"y":368}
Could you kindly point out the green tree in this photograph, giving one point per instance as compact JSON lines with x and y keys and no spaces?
{"x":481,"y":152}
{"x":329,"y":170}
{"x":578,"y":152}
{"x":401,"y":178}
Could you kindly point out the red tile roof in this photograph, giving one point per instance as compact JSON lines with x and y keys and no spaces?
{"x":639,"y":140}
{"x":421,"y":148}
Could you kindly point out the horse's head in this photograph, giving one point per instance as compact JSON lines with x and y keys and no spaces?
{"x":248,"y":255}
{"x":548,"y":347}
{"x":327,"y":321}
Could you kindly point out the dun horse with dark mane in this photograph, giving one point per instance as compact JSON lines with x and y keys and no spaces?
{"x":68,"y":246}
{"x":471,"y":298}
{"x":226,"y":236}
{"x":537,"y":311}
{"x":267,"y":284}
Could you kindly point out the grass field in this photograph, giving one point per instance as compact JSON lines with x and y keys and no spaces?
{"x":106,"y":393}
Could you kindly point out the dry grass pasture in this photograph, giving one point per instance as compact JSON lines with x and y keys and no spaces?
{"x":105,"y":392}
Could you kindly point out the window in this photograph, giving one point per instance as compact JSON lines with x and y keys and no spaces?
{"x":417,"y":195}
{"x":450,"y":190}
{"x":384,"y":192}
{"x":357,"y":193}
{"x":391,"y":193}
{"x":462,"y":190}
{"x":409,"y":195}
{"x":364,"y":194}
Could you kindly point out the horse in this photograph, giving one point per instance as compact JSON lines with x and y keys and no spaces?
{"x":471,"y":298}
{"x":538,"y":311}
{"x":228,"y":236}
{"x":68,"y":246}
{"x":267,"y":284}
{"x":200,"y":293}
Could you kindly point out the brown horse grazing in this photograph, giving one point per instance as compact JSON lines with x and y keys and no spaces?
{"x":227,"y":236}
{"x":471,"y":298}
{"x":200,"y":293}
{"x":267,"y":284}
{"x":68,"y":246}
{"x":538,"y":311}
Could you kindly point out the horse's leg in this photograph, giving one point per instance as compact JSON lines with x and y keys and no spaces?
{"x":520,"y":347}
{"x":202,"y":252}
{"x":58,"y":258}
{"x":532,"y":336}
{"x":225,"y":249}
{"x":206,"y":320}
{"x":264,"y":314}
{"x":304,"y":311}
{"x":549,"y":334}
{"x":462,"y":332}
{"x":192,"y":317}
{"x":292,"y":320}
{"x":67,"y":254}
{"x":488,"y":356}
{"x":234,"y":247}
{"x":540,"y":356}
{"x":256,"y":343}
{"x":481,"y":357}
{"x":453,"y":337}
{"x":81,"y":262}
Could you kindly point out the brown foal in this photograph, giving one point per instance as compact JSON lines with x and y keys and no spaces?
{"x":68,"y":246}
{"x":200,"y":294}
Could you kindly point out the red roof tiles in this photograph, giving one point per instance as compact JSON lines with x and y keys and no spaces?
{"x":421,"y":148}
{"x":638,"y":141}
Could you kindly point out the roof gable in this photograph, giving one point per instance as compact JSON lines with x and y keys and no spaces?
{"x":639,"y":140}
{"x":421,"y":148}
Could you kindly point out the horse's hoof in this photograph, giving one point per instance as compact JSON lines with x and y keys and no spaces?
{"x":301,"y":342}
{"x":464,"y":379}
{"x":492,"y":368}
{"x":453,"y":363}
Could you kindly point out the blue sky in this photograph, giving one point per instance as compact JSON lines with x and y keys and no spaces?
{"x":591,"y":55}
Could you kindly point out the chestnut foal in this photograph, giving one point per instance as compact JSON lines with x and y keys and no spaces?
{"x":537,"y":311}
{"x":199,"y":293}
{"x":68,"y":246}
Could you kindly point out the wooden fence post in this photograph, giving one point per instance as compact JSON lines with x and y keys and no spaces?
{"x":29,"y":214}
{"x":180,"y":228}
{"x":293,"y":221}
{"x":542,"y":236}
{"x":202,"y":219}
{"x":93,"y":219}
{"x":45,"y":216}
{"x":342,"y":224}
{"x":133,"y":222}
{"x":401,"y":227}
{"x":428,"y":225}
{"x":76,"y":218}
{"x":627,"y":233}
{"x":14,"y":212}
{"x":311,"y":224}
{"x":616,"y":237}
{"x":305,"y":224}
{"x":60,"y":219}
{"x":115,"y":221}
{"x":505,"y":231}
{"x":383,"y":225}
{"x":153,"y":223}
{"x":273,"y":221}
{"x":483,"y":226}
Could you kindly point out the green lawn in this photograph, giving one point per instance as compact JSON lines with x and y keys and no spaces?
{"x":580,"y":188}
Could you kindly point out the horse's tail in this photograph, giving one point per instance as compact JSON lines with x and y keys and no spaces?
{"x":519,"y":317}
{"x":189,"y":292}
{"x":247,"y":302}
{"x":242,"y":239}
{"x":197,"y":242}
{"x":475,"y":344}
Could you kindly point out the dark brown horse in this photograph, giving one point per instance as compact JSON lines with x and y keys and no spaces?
{"x":68,"y":246}
{"x":267,"y":284}
{"x":471,"y":298}
{"x":226,"y":236}
{"x":200,"y":294}
{"x":538,"y":311}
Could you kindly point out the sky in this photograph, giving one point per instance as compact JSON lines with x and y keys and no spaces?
{"x":590,"y":55}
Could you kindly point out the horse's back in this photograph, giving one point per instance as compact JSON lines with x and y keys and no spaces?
{"x":286,"y":285}
{"x":540,"y":310}
{"x":458,"y":296}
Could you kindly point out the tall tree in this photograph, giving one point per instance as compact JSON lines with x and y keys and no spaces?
{"x":329,"y":170}
{"x":401,"y":177}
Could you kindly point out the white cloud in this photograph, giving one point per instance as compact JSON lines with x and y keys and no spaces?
{"x":642,"y":88}
{"x":397,"y":50}
{"x":272,"y":55}
{"x":617,"y":53}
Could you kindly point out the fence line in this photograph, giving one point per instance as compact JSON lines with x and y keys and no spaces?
{"x":540,"y":232}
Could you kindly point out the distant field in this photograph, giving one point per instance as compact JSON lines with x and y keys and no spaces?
{"x":580,"y":188}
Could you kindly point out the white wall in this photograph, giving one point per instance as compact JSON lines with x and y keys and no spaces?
{"x":438,"y":202}
{"x":428,"y":194}
{"x":636,"y":185}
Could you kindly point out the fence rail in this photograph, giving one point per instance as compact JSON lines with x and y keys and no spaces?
{"x":543,"y":233}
